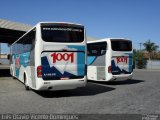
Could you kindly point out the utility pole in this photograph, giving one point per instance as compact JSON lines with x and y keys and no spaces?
{"x":140,"y":46}
{"x":140,"y":56}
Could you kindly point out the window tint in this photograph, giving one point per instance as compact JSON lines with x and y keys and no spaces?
{"x":24,"y":44}
{"x":96,"y":49}
{"x":62,"y":33}
{"x":121,"y":45}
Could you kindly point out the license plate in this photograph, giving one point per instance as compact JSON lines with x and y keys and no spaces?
{"x":65,"y":78}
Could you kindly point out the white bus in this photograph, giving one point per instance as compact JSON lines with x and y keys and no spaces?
{"x":110,"y":59}
{"x":50,"y":56}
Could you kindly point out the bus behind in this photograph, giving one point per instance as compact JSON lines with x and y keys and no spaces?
{"x":110,"y":59}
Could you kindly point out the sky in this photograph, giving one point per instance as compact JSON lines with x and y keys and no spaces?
{"x":137,"y":20}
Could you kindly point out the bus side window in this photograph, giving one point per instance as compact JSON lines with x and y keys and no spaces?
{"x":103,"y":52}
{"x":33,"y":38}
{"x":97,"y":49}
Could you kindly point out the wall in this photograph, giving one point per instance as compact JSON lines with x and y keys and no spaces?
{"x":153,"y":64}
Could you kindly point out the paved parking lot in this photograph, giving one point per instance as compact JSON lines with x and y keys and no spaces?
{"x":140,"y":96}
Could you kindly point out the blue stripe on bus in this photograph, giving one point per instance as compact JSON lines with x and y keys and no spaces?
{"x":80,"y":59}
{"x":91,"y":59}
{"x":130,"y":62}
{"x":46,"y":69}
{"x":23,"y":61}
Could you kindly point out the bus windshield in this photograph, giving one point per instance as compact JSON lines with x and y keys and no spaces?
{"x":62,"y":33}
{"x":121,"y":45}
{"x":96,"y":49}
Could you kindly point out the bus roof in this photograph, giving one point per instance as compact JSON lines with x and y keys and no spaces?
{"x":106,"y":39}
{"x":62,"y":23}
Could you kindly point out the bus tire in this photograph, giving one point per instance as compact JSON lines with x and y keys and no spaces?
{"x":25,"y":83}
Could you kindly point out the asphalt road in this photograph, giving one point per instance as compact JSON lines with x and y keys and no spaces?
{"x":138,"y":96}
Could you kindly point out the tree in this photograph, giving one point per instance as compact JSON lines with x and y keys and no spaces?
{"x":138,"y":59}
{"x":150,"y":47}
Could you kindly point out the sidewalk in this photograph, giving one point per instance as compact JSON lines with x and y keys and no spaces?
{"x":146,"y":70}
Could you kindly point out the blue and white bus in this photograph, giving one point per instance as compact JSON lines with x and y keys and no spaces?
{"x":110,"y":59}
{"x":50,"y":56}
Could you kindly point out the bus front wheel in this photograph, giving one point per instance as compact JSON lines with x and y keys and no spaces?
{"x":12,"y":74}
{"x":25,"y":83}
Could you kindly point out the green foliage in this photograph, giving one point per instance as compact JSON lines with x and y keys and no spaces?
{"x":138,"y":59}
{"x":151,"y":48}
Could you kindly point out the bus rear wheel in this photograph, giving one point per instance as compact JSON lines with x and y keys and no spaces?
{"x":25,"y":83}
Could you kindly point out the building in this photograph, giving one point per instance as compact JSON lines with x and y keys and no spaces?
{"x":11,"y":31}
